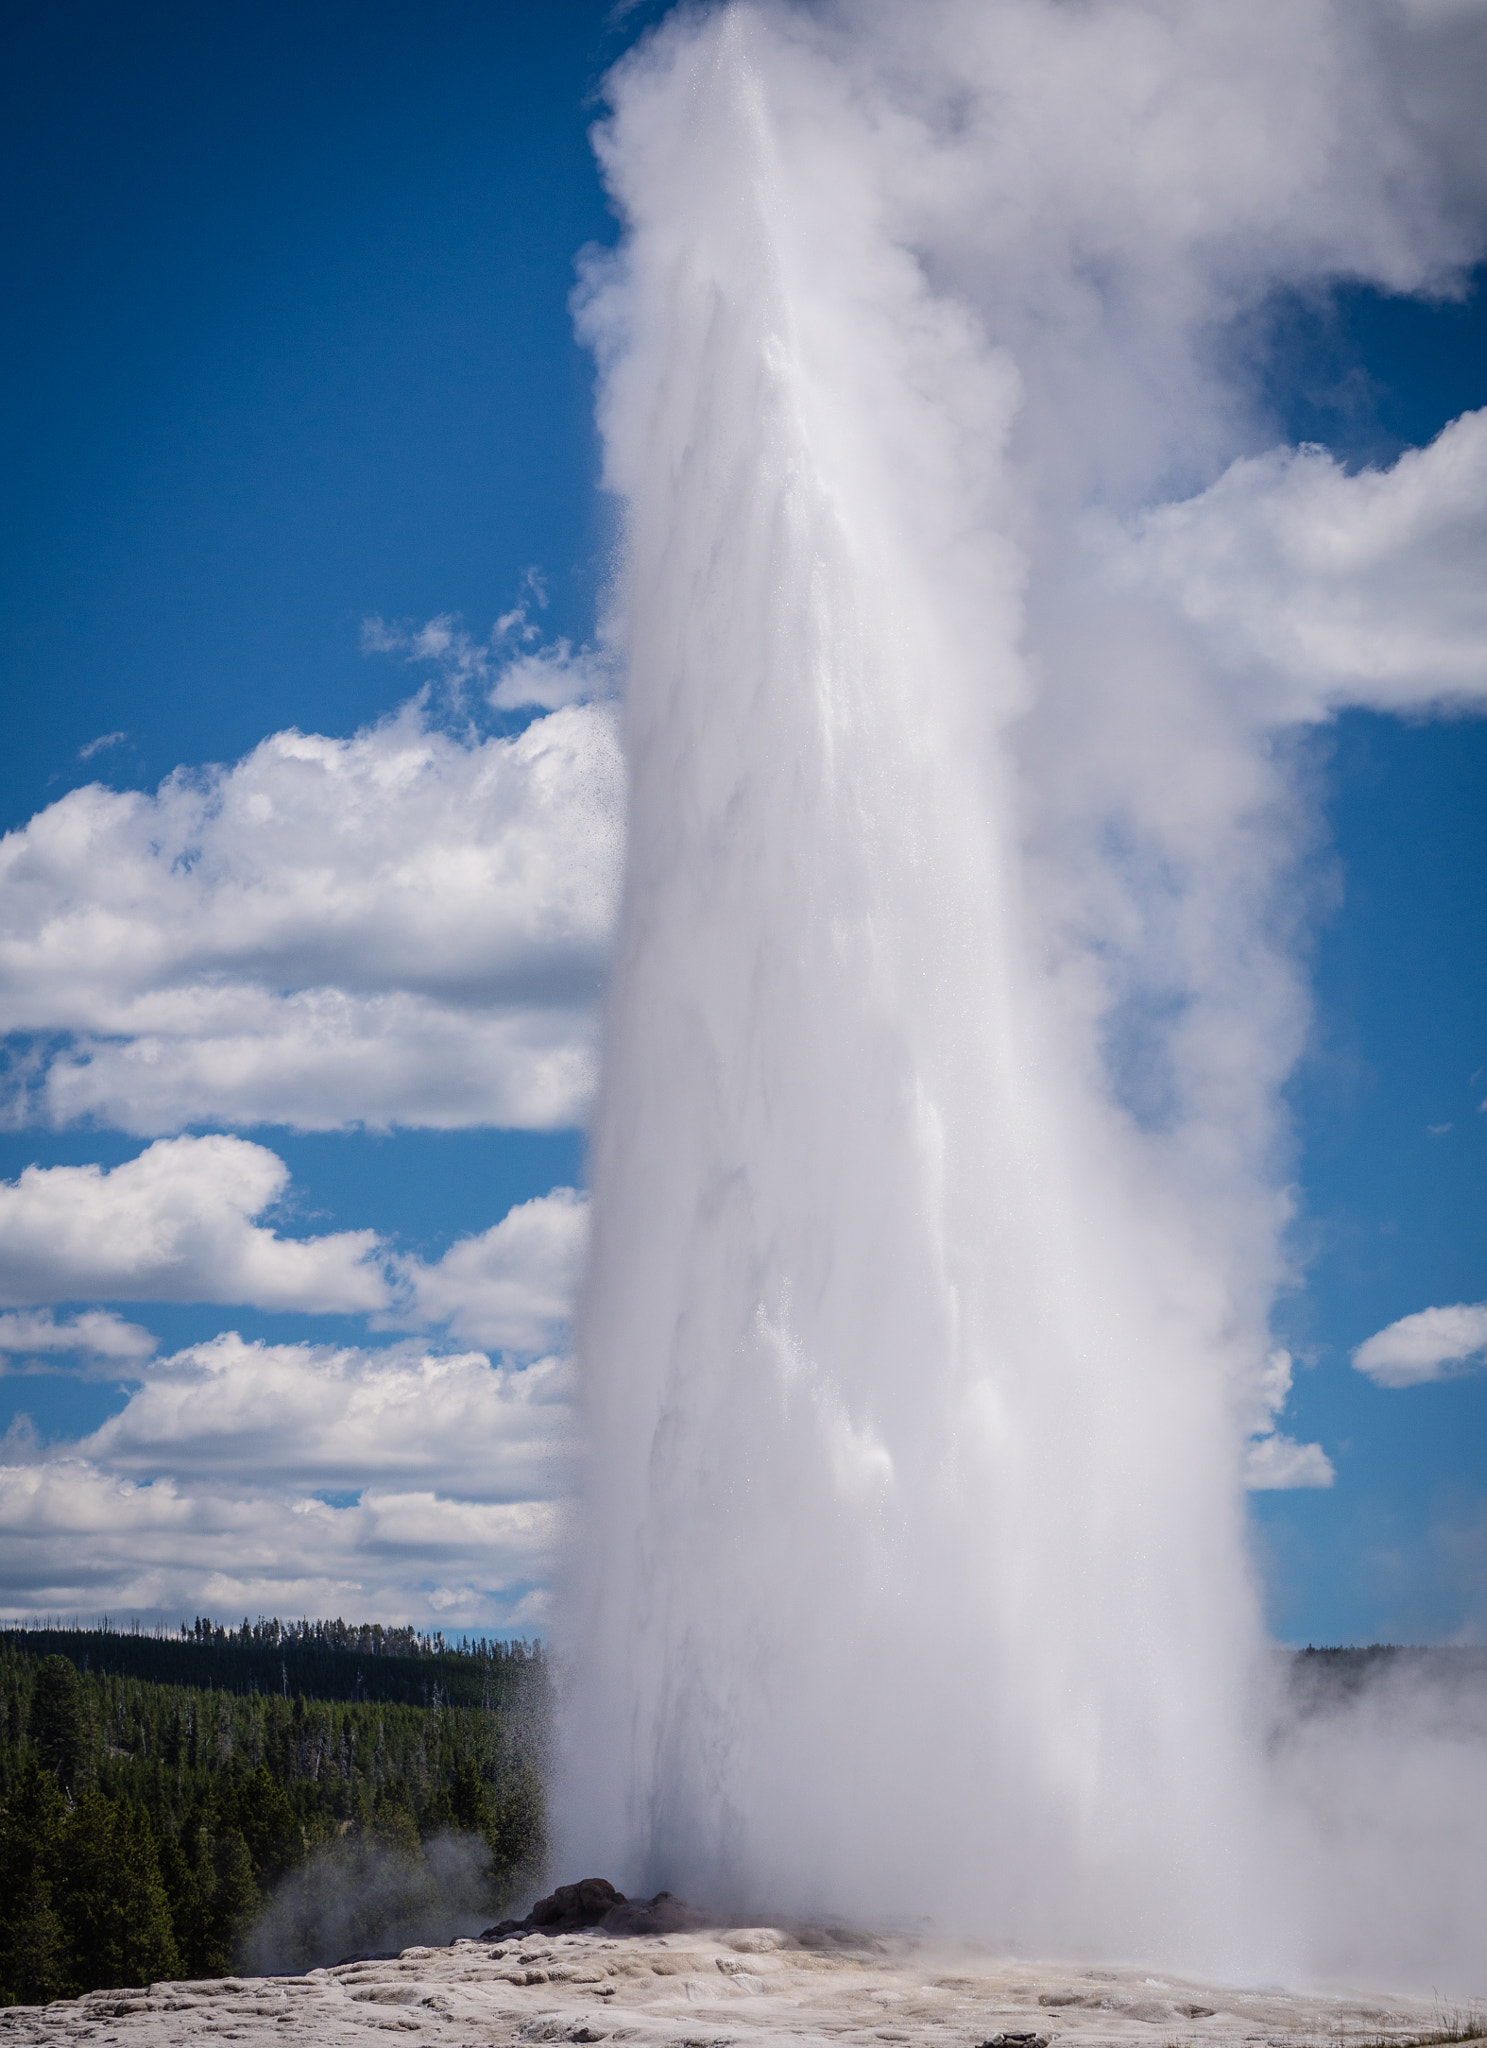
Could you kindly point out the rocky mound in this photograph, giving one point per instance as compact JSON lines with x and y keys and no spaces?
{"x":594,"y":1903}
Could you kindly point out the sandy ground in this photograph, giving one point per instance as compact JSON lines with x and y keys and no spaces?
{"x":708,"y":1989}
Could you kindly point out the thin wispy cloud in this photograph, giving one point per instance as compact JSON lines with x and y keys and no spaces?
{"x":101,"y":745}
{"x":515,"y":668}
{"x":99,"y":1343}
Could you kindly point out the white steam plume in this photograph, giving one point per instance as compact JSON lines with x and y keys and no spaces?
{"x":938,"y":1173}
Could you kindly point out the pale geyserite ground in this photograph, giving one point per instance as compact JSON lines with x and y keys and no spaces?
{"x":704,"y":1990}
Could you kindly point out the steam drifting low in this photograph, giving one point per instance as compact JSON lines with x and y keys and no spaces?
{"x":939,"y":1166}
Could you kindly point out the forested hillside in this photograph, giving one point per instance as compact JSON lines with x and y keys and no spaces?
{"x":323,"y":1660}
{"x":155,"y":1829}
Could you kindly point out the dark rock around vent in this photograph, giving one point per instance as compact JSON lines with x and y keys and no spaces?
{"x":594,"y":1903}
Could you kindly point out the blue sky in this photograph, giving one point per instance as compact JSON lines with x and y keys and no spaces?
{"x":1390,"y":1130}
{"x":289,"y":350}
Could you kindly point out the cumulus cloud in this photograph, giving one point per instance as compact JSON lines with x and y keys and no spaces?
{"x":1434,"y":1344}
{"x":397,"y":928}
{"x":108,"y":1346}
{"x":322,"y":1060}
{"x":1273,"y":1461}
{"x":75,"y":1540}
{"x":205,"y":1490}
{"x":1359,"y":589}
{"x":510,"y":1289}
{"x":329,"y":1419}
{"x":175,"y":1224}
{"x":288,"y":1477}
{"x":178,"y":1224}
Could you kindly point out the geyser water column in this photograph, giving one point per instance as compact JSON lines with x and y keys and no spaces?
{"x":909,"y":1576}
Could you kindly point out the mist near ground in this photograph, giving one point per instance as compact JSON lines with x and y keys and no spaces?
{"x":1380,"y":1758}
{"x":359,"y":1896}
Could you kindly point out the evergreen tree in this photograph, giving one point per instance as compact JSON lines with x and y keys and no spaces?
{"x":235,"y":1899}
{"x":188,"y":1911}
{"x":59,"y":1727}
{"x":269,"y":1825}
{"x":518,"y":1834}
{"x":393,"y":1823}
{"x":32,"y":1946}
{"x":143,"y":1823}
{"x":32,"y":1939}
{"x":468,"y":1804}
{"x":150,"y":1949}
{"x":436,"y":1816}
{"x":111,"y":1898}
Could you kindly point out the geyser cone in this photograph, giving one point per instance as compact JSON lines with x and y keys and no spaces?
{"x":910,"y":1577}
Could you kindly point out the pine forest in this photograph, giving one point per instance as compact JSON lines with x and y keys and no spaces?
{"x":270,"y":1798}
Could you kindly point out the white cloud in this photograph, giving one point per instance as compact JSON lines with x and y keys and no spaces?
{"x":552,"y":676}
{"x":512,"y":670}
{"x":327,"y":1419}
{"x":103,"y":1339}
{"x":510,"y":1289}
{"x":75,"y":1540}
{"x":397,"y":928}
{"x":202,"y":1491}
{"x":1272,"y":1460}
{"x":325,"y":1059}
{"x":1363,"y":588}
{"x":178,"y":1224}
{"x":104,"y":741}
{"x":1431,"y":1345}
{"x":175,"y":1224}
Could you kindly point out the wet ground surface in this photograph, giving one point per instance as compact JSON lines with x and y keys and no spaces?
{"x":711,"y":1990}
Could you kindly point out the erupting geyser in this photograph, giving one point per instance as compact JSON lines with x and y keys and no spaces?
{"x":936,"y":1174}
